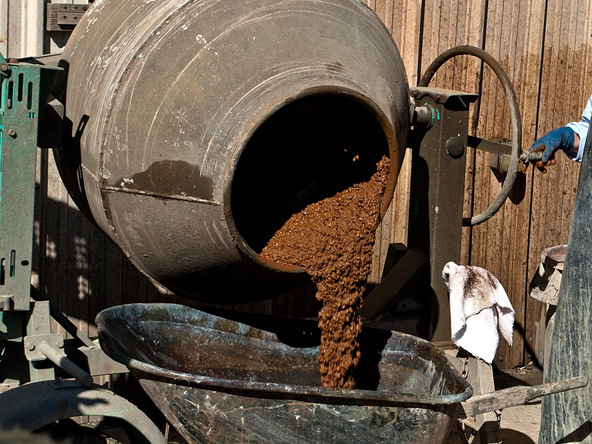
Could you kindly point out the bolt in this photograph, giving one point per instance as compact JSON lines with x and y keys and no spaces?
{"x":12,"y":133}
{"x":30,"y":346}
{"x":4,"y":67}
{"x":424,"y":115}
{"x":455,"y":147}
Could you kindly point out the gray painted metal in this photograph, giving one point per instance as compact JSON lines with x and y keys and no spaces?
{"x":37,"y":404}
{"x":164,"y":99}
{"x":219,"y":380}
{"x":565,"y":417}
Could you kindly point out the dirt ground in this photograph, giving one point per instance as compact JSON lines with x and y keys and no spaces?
{"x":520,"y":424}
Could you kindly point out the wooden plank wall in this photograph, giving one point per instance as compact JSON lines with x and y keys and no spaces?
{"x":544,"y":46}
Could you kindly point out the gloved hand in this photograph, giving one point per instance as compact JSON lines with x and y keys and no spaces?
{"x":558,"y":139}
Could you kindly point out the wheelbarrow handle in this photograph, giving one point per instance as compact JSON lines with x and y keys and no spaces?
{"x":519,"y":395}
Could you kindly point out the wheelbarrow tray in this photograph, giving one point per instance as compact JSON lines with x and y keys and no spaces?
{"x":220,"y":380}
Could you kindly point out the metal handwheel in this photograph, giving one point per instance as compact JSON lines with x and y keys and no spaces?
{"x":514,"y":116}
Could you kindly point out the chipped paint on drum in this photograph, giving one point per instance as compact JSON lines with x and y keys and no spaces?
{"x":163,"y":98}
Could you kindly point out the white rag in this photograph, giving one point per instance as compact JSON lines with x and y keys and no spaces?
{"x":479,"y":306}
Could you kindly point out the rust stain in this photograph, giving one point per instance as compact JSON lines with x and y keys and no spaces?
{"x":171,"y":178}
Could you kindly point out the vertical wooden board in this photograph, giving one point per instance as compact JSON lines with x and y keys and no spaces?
{"x":481,"y":196}
{"x":22,"y":27}
{"x":389,"y":12}
{"x":526,"y":86}
{"x":132,"y":287}
{"x":553,"y":193}
{"x":519,"y":254}
{"x":400,"y":229}
{"x":380,"y":8}
{"x":39,"y":236}
{"x":445,"y":40}
{"x":405,"y":26}
{"x":97,"y":277}
{"x":575,"y":99}
{"x":545,"y":224}
{"x":406,"y":30}
{"x":502,"y":228}
{"x":494,"y":42}
{"x":476,"y":30}
{"x":533,"y":83}
{"x":53,"y":275}
{"x":488,"y":115}
{"x":4,"y":27}
{"x":527,"y":91}
{"x":78,"y":272}
{"x":395,"y":220}
{"x":429,"y":35}
{"x":495,"y":243}
{"x":114,"y":277}
{"x":372,"y":3}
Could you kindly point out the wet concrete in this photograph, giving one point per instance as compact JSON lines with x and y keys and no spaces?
{"x":333,"y":241}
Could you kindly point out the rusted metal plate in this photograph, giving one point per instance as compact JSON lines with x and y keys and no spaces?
{"x":217,"y":379}
{"x":63,"y":17}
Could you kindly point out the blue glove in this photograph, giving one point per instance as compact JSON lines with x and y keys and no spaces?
{"x":558,"y":139}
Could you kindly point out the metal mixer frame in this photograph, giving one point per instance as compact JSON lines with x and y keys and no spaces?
{"x":33,"y":356}
{"x":25,"y":319}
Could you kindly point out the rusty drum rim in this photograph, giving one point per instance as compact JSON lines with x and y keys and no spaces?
{"x":389,"y":134}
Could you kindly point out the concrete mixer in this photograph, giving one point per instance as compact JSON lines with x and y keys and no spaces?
{"x":191,"y":130}
{"x":195,"y":126}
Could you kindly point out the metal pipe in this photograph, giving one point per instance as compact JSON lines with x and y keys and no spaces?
{"x":514,"y":117}
{"x":61,"y":360}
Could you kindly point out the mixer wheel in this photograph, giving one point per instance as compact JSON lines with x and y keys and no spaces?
{"x":515,"y":118}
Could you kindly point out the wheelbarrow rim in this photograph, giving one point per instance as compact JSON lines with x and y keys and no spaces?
{"x":144,"y":370}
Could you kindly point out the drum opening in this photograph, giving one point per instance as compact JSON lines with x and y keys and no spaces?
{"x":308,"y":150}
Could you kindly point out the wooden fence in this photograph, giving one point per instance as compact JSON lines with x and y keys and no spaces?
{"x":546,"y":49}
{"x":545,"y":46}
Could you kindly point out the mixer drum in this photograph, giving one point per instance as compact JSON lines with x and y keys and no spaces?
{"x":195,"y":128}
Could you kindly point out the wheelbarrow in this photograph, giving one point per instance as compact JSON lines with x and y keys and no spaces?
{"x":254,"y":378}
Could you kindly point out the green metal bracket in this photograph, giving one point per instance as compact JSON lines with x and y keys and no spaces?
{"x":4,"y":67}
{"x":23,"y":91}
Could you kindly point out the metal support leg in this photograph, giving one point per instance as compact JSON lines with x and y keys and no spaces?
{"x":437,"y":192}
